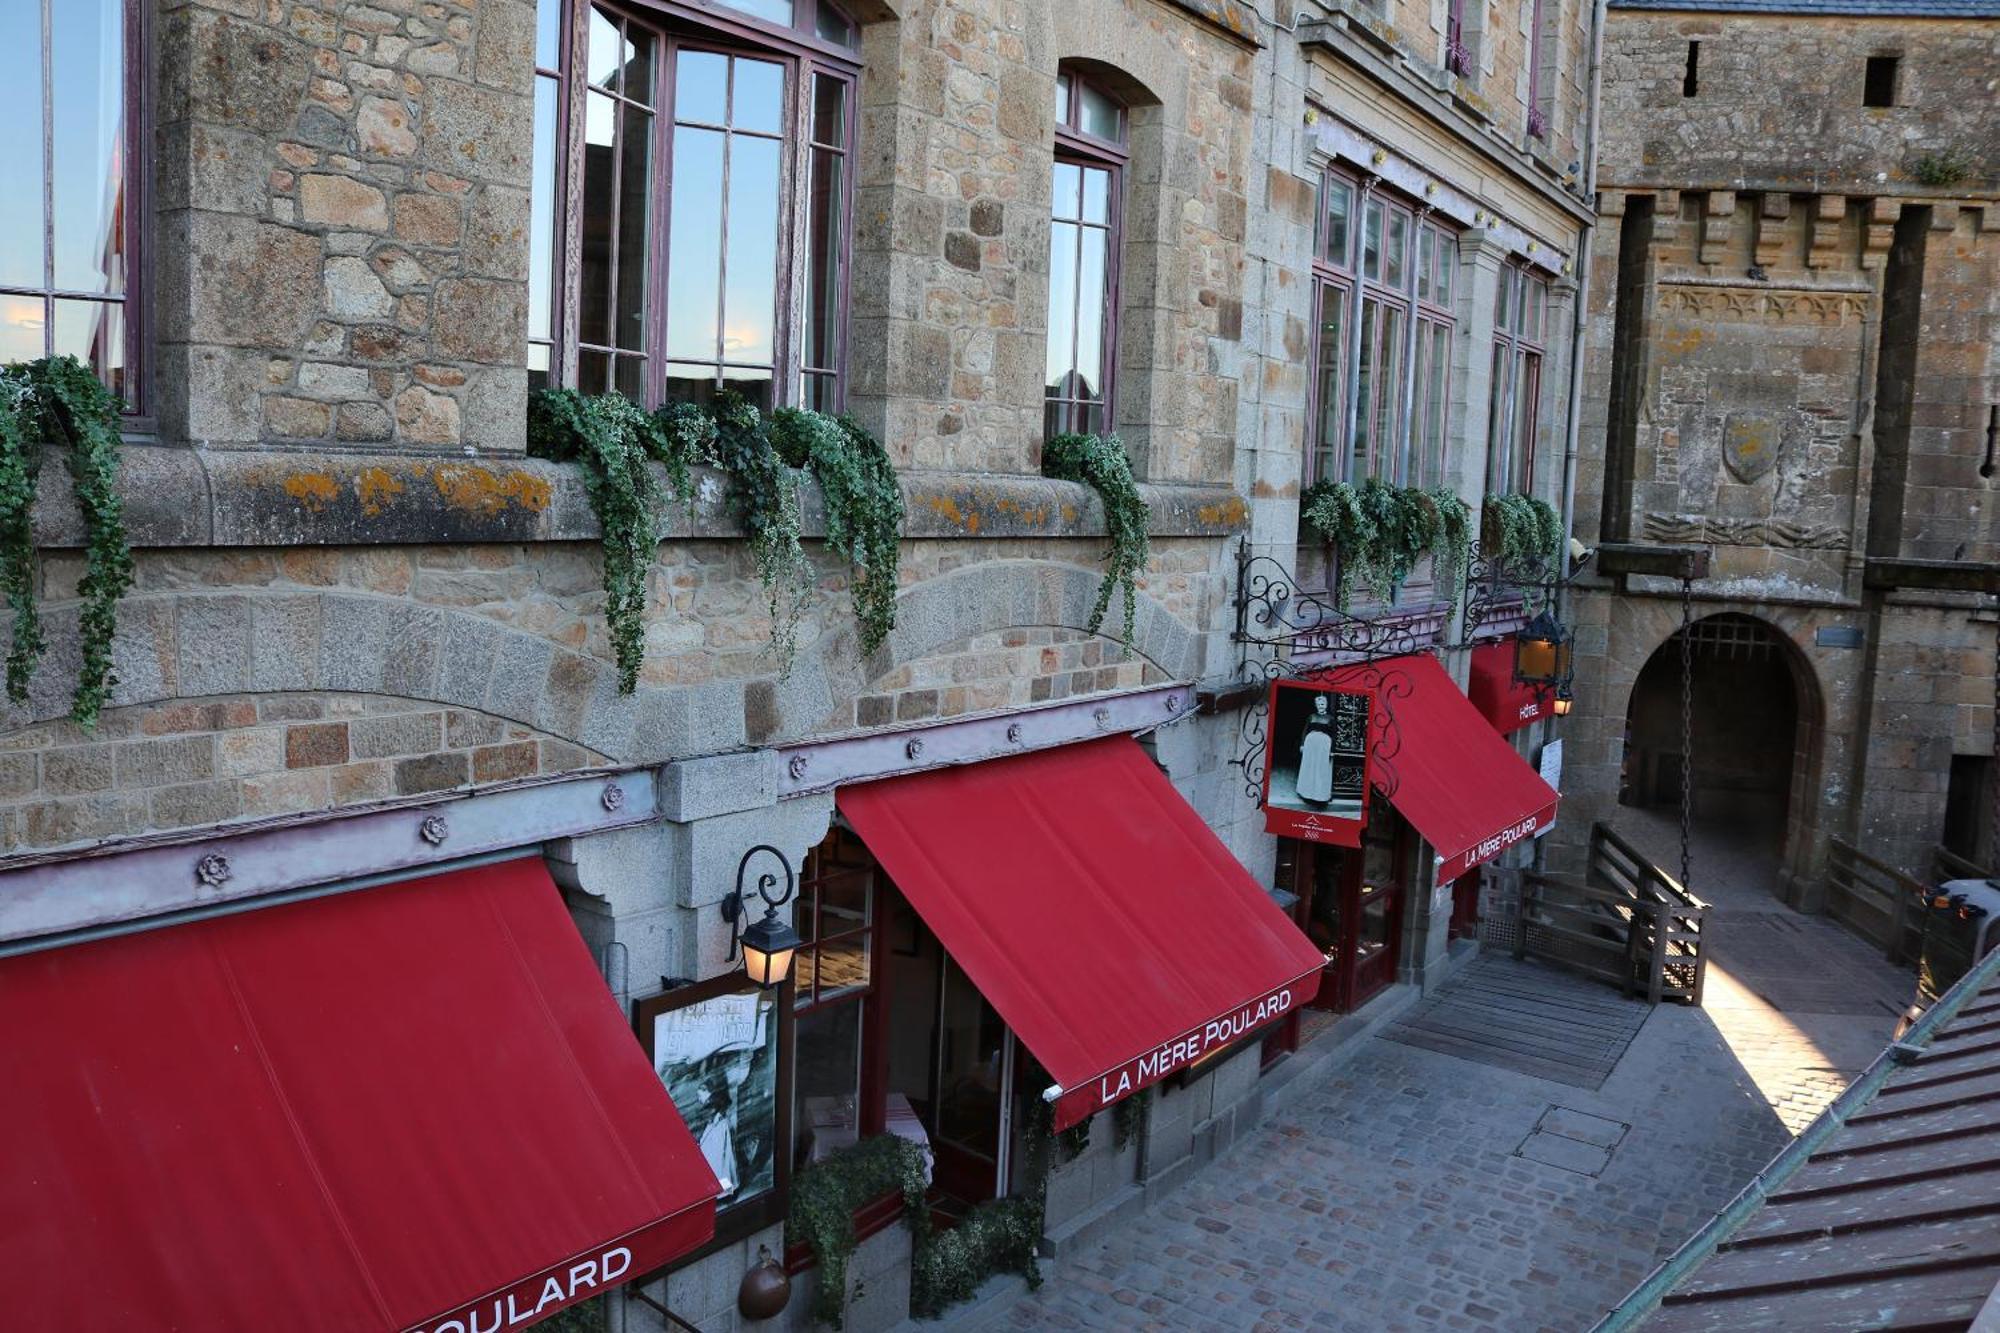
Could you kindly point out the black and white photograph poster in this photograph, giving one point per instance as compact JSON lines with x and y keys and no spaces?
{"x":1316,"y":776}
{"x":718,"y":1058}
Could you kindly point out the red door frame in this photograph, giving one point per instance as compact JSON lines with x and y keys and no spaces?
{"x":1348,"y":982}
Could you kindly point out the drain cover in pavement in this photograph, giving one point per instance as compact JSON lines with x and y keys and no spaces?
{"x":1573,"y":1140}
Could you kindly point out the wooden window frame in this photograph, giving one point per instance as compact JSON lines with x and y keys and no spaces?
{"x":1089,"y":151}
{"x":701,"y":25}
{"x":136,"y":97}
{"x":1395,"y":460}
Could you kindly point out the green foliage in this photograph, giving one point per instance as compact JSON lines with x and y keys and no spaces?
{"x":1941,"y":169}
{"x":825,"y":1195}
{"x":613,"y":439}
{"x":59,"y":397}
{"x":1099,"y":462}
{"x":864,"y":507}
{"x":1519,"y":529}
{"x":998,"y":1236}
{"x":1383,"y":531}
{"x":764,"y":496}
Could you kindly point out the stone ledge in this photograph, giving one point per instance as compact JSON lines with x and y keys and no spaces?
{"x":178,"y":497}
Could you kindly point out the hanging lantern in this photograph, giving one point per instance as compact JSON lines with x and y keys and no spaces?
{"x":768,"y":944}
{"x":1542,"y":652}
{"x":1563,"y":701}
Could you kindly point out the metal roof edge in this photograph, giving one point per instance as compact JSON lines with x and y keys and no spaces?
{"x":1645,"y":1298}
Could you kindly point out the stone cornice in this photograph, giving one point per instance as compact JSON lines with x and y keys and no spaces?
{"x":176,"y":497}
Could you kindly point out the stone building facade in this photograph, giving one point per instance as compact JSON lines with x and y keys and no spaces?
{"x":355,"y":233}
{"x":1794,"y":366}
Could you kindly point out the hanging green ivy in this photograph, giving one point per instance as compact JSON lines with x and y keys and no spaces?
{"x":1520,"y":529}
{"x":997,"y":1236}
{"x":59,"y":398}
{"x":864,"y":507}
{"x":825,"y":1196}
{"x":764,"y":496}
{"x":1382,"y":532}
{"x":613,"y":439}
{"x":1099,"y":462}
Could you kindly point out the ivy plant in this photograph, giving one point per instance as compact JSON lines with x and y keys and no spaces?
{"x":825,"y":1196}
{"x":1520,"y":529}
{"x":613,"y":439}
{"x":997,"y":1236}
{"x":1383,"y":531}
{"x":864,"y":506}
{"x":49,"y":400}
{"x":1100,"y":462}
{"x":764,"y":496}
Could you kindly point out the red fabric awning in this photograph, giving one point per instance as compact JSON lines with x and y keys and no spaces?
{"x":1445,"y":769}
{"x":1092,"y":907}
{"x":1508,"y":705}
{"x":414,"y":1106}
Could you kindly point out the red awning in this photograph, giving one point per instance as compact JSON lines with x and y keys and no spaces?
{"x":414,"y":1106}
{"x":1445,"y":769}
{"x":1092,"y":907}
{"x":1508,"y":705}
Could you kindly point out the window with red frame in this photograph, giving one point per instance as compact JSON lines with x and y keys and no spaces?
{"x":838,"y":1098}
{"x":1384,"y":278}
{"x":691,"y":192}
{"x":68,"y":244}
{"x":1083,"y":257}
{"x":1520,"y":317}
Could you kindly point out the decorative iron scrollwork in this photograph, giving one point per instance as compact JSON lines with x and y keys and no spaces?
{"x":1389,"y":683}
{"x":1495,"y":588}
{"x":1272,"y":611}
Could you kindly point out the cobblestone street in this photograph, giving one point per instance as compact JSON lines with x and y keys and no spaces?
{"x":1395,"y":1195}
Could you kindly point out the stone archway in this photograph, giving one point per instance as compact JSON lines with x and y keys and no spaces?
{"x":1758,"y":717}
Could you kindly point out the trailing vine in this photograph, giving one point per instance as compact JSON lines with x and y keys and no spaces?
{"x":1100,"y":462}
{"x":825,"y":1196}
{"x":764,"y":496}
{"x":864,"y":507}
{"x":59,"y":397}
{"x":1383,"y":531}
{"x":1519,"y":529}
{"x":613,"y":438}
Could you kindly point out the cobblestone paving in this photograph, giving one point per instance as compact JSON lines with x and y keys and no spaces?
{"x":1394,"y":1196}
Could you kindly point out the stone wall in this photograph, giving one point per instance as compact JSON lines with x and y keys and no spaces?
{"x":342,"y":222}
{"x":1779,"y":102}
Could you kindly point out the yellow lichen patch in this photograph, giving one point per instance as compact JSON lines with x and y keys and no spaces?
{"x":479,"y":491}
{"x":1683,"y":343}
{"x":314,"y":490}
{"x":947,"y":508}
{"x":1227,"y":514}
{"x":377,"y":488}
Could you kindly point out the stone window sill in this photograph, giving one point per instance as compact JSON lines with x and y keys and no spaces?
{"x":177,"y":497}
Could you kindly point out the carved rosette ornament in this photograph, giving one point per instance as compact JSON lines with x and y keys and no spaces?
{"x":434,"y":830}
{"x":213,"y":870}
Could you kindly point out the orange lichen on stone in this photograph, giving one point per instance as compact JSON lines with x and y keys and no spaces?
{"x":314,"y":490}
{"x":376,"y":488}
{"x":1227,"y":514}
{"x":947,"y":508}
{"x":478,"y":491}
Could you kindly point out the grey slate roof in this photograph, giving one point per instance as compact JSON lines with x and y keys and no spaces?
{"x":1928,"y":9}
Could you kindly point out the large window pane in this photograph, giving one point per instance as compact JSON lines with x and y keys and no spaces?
{"x":23,"y":327}
{"x":1098,"y":115}
{"x":1391,"y":393}
{"x":635,"y":174}
{"x":1371,"y":240}
{"x":823,"y":243}
{"x":1329,"y":413}
{"x":606,"y":51}
{"x":771,"y":11}
{"x":701,"y":87}
{"x":1425,"y":237}
{"x":694,"y":255}
{"x":600,"y":177}
{"x":1365,"y":387}
{"x":757,"y":101}
{"x":21,"y":259}
{"x":1394,"y":269}
{"x":1436,"y":378}
{"x":548,"y":32}
{"x":542,"y":211}
{"x":87,"y":51}
{"x":1498,"y":471}
{"x":1062,"y":305}
{"x":750,"y":303}
{"x":94,"y":333}
{"x":1447,"y":273}
{"x":1527,"y":388}
{"x":827,"y":1074}
{"x":829,"y":119}
{"x":1091,"y":295}
{"x":1339,"y":201}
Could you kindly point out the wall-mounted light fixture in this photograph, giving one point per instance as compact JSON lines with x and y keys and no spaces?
{"x":768,"y":944}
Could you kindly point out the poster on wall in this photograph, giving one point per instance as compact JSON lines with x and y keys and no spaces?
{"x":1316,"y":775}
{"x":717,"y":1054}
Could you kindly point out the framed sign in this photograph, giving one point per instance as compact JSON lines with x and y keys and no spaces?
{"x":1316,"y":777}
{"x":718,"y":1045}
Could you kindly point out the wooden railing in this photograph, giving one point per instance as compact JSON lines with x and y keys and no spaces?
{"x":1629,"y":923}
{"x":1875,"y":900}
{"x":1950,"y":865}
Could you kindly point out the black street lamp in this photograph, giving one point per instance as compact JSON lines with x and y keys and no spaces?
{"x":768,"y":944}
{"x":1542,"y":652}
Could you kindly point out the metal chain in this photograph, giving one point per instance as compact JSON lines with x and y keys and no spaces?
{"x":1687,"y":725}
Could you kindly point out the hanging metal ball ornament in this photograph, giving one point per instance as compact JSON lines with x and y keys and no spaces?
{"x":765,"y":1290}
